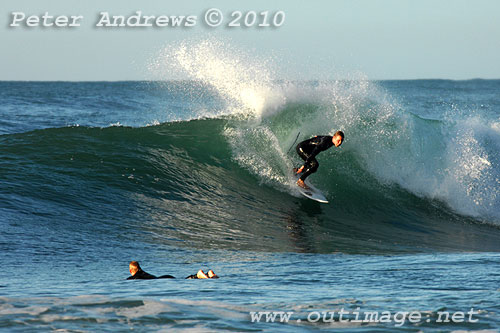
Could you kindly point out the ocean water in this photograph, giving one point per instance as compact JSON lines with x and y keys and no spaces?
{"x":196,"y":174}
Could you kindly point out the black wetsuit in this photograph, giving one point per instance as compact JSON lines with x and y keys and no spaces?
{"x":141,"y":275}
{"x":308,"y":150}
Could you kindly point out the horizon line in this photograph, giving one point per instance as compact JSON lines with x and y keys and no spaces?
{"x":290,"y":80}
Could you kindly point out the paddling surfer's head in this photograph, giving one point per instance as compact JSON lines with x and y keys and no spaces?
{"x":134,"y":267}
{"x":338,"y":138}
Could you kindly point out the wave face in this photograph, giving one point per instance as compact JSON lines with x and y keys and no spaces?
{"x":187,"y":183}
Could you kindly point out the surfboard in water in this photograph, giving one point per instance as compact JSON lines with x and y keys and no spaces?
{"x":312,"y":193}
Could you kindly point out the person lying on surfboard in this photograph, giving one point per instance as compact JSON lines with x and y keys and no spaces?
{"x":308,"y":149}
{"x":138,"y":274}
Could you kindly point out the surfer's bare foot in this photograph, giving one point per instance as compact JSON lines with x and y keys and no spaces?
{"x":301,"y":183}
{"x":201,"y":275}
{"x":212,"y":275}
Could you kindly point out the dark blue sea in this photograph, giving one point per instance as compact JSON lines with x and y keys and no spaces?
{"x":196,"y":174}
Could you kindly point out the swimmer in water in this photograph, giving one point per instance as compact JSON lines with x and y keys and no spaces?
{"x":138,"y":274}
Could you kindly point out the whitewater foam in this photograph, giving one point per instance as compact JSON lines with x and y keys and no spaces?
{"x":244,"y":82}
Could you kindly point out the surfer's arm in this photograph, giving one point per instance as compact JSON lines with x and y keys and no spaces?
{"x":323,"y":144}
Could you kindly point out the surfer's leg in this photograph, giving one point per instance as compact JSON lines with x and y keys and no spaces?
{"x":303,"y":155}
{"x":309,"y":169}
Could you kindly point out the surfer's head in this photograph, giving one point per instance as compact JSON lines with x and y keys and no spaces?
{"x":338,"y":138}
{"x":134,"y":267}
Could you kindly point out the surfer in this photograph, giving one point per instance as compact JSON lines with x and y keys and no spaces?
{"x":138,"y":274}
{"x":308,"y":149}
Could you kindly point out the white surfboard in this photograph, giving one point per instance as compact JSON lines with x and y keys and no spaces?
{"x":312,"y":193}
